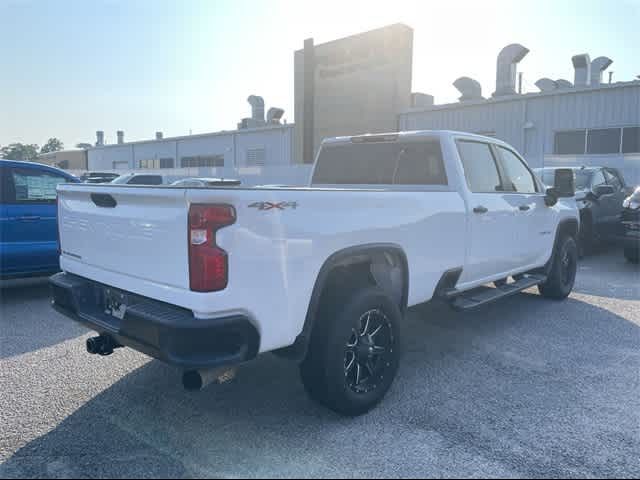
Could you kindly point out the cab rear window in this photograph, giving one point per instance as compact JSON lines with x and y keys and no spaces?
{"x":381,"y":163}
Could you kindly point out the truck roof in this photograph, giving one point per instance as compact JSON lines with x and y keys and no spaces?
{"x":410,"y":134}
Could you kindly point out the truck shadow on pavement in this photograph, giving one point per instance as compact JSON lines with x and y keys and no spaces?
{"x":528,"y":387}
{"x":27,"y":321}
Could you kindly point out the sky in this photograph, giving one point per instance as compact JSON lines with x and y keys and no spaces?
{"x":71,"y":67}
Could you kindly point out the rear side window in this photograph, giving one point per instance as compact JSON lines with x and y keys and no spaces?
{"x":381,"y":163}
{"x":480,"y":168}
{"x":26,"y":185}
{"x":613,"y":179}
{"x":518,"y":177}
{"x":146,"y":180}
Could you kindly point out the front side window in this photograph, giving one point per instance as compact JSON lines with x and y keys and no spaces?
{"x":613,"y":179}
{"x":518,"y":177}
{"x":381,"y":163}
{"x":480,"y":168}
{"x":598,"y":179}
{"x":33,"y":186}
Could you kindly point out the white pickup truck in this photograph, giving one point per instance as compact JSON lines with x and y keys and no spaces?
{"x":208,"y":278}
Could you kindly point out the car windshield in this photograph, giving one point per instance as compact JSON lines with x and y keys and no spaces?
{"x":582,"y":178}
{"x":122,"y":179}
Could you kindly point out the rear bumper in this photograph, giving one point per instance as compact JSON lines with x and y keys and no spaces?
{"x":163,"y":331}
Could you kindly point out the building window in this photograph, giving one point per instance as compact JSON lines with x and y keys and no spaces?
{"x":256,"y":157}
{"x":570,"y":143}
{"x":156,"y":163}
{"x":603,"y":140}
{"x":203,"y":161}
{"x":166,"y":163}
{"x":631,"y":140}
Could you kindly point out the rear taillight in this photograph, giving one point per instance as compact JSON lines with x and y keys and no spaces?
{"x":208,"y":263}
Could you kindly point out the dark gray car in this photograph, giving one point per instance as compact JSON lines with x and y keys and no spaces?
{"x":599,"y":193}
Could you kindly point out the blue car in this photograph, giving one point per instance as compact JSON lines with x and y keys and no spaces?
{"x":28,"y":218}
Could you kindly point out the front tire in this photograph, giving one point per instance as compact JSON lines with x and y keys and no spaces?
{"x":563,"y":271}
{"x":354,"y":353}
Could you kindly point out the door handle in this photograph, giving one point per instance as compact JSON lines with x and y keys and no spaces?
{"x":29,"y":218}
{"x":524,"y":208}
{"x":480,"y":209}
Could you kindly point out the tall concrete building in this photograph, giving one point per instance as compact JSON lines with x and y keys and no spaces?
{"x":354,"y":85}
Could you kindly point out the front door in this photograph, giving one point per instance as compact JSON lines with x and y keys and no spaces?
{"x":534,"y":220}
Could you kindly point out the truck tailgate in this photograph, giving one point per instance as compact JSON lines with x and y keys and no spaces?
{"x":136,"y":231}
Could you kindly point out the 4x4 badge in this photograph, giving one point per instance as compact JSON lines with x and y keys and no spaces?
{"x":273,"y":206}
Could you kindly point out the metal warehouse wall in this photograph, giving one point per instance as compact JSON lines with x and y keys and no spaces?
{"x":528,"y":122}
{"x":277,"y":143}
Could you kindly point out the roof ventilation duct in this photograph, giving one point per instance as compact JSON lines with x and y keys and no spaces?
{"x":469,"y":88}
{"x":598,"y":66}
{"x":274,"y":115}
{"x":257,"y":108}
{"x":582,"y":67}
{"x":120,"y":135}
{"x":159,"y":136}
{"x":508,"y":60}
{"x":546,"y":85}
{"x":563,"y":84}
{"x":99,"y":138}
{"x":421,"y":100}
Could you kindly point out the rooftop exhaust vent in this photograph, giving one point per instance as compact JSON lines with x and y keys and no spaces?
{"x":508,"y":60}
{"x":564,"y":84}
{"x":274,"y":115}
{"x":469,"y":88}
{"x":582,"y":67}
{"x":598,"y":66}
{"x":257,"y":108}
{"x":547,"y":85}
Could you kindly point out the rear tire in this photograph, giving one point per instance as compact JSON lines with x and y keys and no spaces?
{"x":354,"y":352}
{"x":563,"y":271}
{"x":632,"y":254}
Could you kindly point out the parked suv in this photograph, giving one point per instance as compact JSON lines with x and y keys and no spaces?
{"x":599,"y":193}
{"x":631,"y":226}
{"x":28,"y":218}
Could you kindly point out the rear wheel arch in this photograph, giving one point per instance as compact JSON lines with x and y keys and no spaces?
{"x":381,"y":264}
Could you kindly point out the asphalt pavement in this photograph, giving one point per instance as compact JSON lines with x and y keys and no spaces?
{"x":527,"y":387}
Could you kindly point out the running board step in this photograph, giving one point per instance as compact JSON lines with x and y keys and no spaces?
{"x":484,"y":295}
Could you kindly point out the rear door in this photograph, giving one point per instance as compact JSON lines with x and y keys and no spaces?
{"x":492,"y":232}
{"x":533,"y":218}
{"x":29,"y":228}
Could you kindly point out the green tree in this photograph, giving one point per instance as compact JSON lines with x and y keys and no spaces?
{"x":19,"y":151}
{"x":52,"y":145}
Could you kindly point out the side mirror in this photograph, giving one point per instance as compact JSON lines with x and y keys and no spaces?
{"x":551,"y":197}
{"x":564,"y":183}
{"x":602,"y":190}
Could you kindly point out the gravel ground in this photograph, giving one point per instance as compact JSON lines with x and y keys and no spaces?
{"x":524,"y":388}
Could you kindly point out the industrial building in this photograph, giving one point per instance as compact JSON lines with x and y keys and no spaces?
{"x":585,"y":123}
{"x":362,"y":84}
{"x":253,"y":147}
